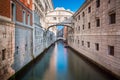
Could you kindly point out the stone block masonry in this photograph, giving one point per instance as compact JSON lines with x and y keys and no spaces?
{"x":7,"y":41}
{"x":97,"y":33}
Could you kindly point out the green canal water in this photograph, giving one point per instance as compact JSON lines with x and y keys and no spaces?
{"x":60,"y":63}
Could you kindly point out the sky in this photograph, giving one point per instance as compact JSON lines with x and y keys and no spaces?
{"x":73,"y":5}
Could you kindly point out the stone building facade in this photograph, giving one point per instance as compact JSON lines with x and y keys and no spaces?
{"x":96,"y":33}
{"x":22,"y":17}
{"x":40,"y":36}
{"x":7,"y":33}
{"x":20,"y":28}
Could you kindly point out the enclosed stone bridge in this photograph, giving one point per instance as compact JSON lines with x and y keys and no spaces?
{"x":59,"y":17}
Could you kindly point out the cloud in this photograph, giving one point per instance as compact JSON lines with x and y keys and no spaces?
{"x":62,"y":8}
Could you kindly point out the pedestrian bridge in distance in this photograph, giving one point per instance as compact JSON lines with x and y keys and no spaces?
{"x":59,"y":17}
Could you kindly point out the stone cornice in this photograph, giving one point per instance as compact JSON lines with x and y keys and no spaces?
{"x":23,"y":25}
{"x":5,"y":19}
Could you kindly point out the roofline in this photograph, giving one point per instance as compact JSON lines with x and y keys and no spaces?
{"x":82,"y":7}
{"x":52,"y":4}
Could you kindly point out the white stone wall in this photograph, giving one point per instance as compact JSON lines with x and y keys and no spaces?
{"x":40,"y":37}
{"x":38,"y":41}
{"x":23,"y":47}
{"x":106,"y":34}
{"x":50,"y":38}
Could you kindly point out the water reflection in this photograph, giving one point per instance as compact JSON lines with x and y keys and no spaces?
{"x":50,"y":73}
{"x":82,"y":70}
{"x":60,"y":63}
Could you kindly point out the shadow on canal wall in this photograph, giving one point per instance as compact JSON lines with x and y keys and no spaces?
{"x":25,"y":69}
{"x":96,"y":65}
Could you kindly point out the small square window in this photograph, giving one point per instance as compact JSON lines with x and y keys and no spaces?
{"x":98,"y":22}
{"x":88,"y":43}
{"x":83,"y":14}
{"x":89,"y":25}
{"x":97,"y":3}
{"x":89,"y":9}
{"x":109,"y":1}
{"x":54,"y":18}
{"x":97,"y":46}
{"x":83,"y":27}
{"x":3,"y":54}
{"x":112,"y":18}
{"x":111,"y":50}
{"x":79,"y":17}
{"x":82,"y":43}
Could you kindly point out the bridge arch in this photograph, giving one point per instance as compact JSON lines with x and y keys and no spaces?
{"x":60,"y":25}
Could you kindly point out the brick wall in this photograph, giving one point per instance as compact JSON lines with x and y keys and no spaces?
{"x":27,"y":3}
{"x":5,"y":8}
{"x":20,"y":7}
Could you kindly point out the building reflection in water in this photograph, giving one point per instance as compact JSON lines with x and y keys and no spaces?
{"x":50,"y":73}
{"x":82,"y":70}
{"x":61,"y":63}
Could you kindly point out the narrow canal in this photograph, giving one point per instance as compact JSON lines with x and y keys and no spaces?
{"x":61,"y":63}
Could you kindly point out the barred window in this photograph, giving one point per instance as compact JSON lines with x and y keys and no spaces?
{"x":88,"y":44}
{"x":89,"y":25}
{"x":98,"y":22}
{"x":112,"y":18}
{"x":3,"y":54}
{"x":97,"y":46}
{"x":111,"y":50}
{"x":82,"y":43}
{"x":89,"y":9}
{"x":97,"y":3}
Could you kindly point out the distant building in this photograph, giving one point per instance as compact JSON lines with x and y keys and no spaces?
{"x":96,"y":33}
{"x":65,"y":32}
{"x":60,"y":33}
{"x":7,"y":33}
